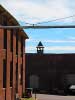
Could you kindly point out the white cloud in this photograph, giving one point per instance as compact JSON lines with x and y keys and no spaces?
{"x":33,"y":11}
{"x":59,"y":41}
{"x":53,"y":41}
{"x":68,"y":48}
{"x":30,"y":49}
{"x":52,"y":48}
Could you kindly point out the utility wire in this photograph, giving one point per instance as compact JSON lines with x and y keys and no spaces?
{"x":35,"y":26}
{"x":53,"y":20}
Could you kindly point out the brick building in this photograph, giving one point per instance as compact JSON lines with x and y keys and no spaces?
{"x":52,"y":72}
{"x":12,"y":57}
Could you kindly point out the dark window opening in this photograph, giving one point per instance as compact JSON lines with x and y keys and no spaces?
{"x":11,"y":41}
{"x":16,"y":77}
{"x":1,"y":20}
{"x":11,"y":74}
{"x":4,"y":73}
{"x":21,"y":72}
{"x":16,"y":42}
{"x":5,"y":38}
{"x":4,"y":20}
{"x":21,"y":46}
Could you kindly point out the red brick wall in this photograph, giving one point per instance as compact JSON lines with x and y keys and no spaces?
{"x":3,"y":94}
{"x":11,"y":56}
{"x":14,"y":65}
{"x":23,"y":68}
{"x":19,"y":63}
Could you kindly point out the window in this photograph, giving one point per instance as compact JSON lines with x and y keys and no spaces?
{"x":16,"y":77}
{"x":23,"y":43}
{"x":4,"y":73}
{"x":5,"y":38}
{"x":11,"y":41}
{"x":1,"y":19}
{"x":21,"y":72}
{"x":4,"y":18}
{"x":11,"y":74}
{"x":21,"y":46}
{"x":16,"y":42}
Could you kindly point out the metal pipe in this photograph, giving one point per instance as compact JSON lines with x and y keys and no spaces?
{"x":37,"y":27}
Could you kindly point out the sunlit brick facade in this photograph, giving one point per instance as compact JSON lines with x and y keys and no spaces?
{"x":12,"y":58}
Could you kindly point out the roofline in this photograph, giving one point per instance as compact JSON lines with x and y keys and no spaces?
{"x":16,"y":22}
{"x":52,"y":53}
{"x":13,"y":20}
{"x":24,"y":34}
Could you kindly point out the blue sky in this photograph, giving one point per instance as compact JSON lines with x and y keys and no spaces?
{"x":35,"y":11}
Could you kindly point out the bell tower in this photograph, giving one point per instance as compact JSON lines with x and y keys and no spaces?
{"x":40,"y":48}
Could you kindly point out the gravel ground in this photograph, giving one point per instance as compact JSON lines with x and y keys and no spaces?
{"x":52,"y":97}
